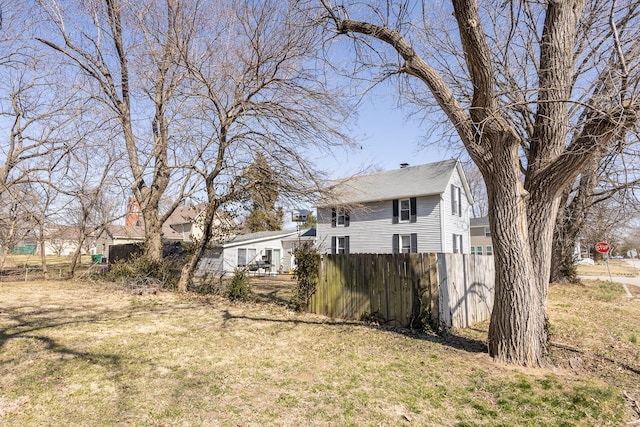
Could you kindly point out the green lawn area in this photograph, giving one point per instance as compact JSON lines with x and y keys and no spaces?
{"x":76,"y":353}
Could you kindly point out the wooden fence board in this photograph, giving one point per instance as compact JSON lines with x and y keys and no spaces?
{"x":455,"y":290}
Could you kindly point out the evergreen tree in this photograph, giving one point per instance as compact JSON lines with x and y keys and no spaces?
{"x":263,"y":195}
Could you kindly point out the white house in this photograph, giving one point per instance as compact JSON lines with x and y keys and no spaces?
{"x":264,"y":251}
{"x":185,"y":224}
{"x":421,"y":208}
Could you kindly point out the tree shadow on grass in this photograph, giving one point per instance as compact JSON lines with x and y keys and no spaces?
{"x":26,"y":324}
{"x":450,"y":340}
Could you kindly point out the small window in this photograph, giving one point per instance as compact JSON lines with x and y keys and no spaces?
{"x":487,"y":232}
{"x":489,"y":250}
{"x":339,"y":216}
{"x":479,"y":250}
{"x":405,"y":210}
{"x":456,"y":201}
{"x":457,"y":243}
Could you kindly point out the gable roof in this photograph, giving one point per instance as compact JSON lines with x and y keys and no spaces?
{"x":125,"y":232}
{"x":259,"y":236}
{"x":413,"y":181}
{"x":61,"y":232}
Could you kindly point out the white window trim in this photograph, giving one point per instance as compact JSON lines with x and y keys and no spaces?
{"x":402,"y":247}
{"x":408,"y":210}
{"x":457,"y":244}
{"x":340,"y":249}
{"x":341,"y":215}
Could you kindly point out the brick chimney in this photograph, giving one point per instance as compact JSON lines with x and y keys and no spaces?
{"x":133,"y":218}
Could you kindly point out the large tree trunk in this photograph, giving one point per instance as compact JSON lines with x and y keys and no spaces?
{"x":153,"y":234}
{"x":517,"y":329}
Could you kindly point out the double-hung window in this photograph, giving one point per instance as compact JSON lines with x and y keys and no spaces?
{"x":340,"y":245}
{"x":404,"y":243}
{"x":339,"y":217}
{"x":404,"y":210}
{"x":456,"y":201}
{"x":476,"y":250}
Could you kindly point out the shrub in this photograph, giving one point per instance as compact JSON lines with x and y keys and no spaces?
{"x":306,"y":275}
{"x":569,"y":270}
{"x":143,"y":271}
{"x":238,"y":288}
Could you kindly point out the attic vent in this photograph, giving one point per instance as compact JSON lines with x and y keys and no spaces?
{"x":404,"y":165}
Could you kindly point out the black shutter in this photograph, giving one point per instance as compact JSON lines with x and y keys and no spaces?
{"x":346,"y":218}
{"x":346,"y":244}
{"x":414,"y":209}
{"x":414,"y":243}
{"x":333,"y":245}
{"x":395,"y":212}
{"x":395,"y":243}
{"x":459,"y":203}
{"x":334,"y":217}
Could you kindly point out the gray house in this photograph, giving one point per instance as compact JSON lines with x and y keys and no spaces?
{"x":264,"y":252}
{"x":421,"y":208}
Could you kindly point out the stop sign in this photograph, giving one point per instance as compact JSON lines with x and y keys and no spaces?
{"x":602,"y":247}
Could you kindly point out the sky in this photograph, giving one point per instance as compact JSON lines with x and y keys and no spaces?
{"x":386,"y":136}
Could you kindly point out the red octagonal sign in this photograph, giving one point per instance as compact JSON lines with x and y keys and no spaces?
{"x":602,"y":247}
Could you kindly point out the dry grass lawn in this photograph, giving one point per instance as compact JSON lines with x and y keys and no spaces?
{"x":80,"y":354}
{"x":617,"y":267}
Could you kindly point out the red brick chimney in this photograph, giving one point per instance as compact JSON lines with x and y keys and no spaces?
{"x":133,"y":217}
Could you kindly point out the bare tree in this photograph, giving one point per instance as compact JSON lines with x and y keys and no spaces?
{"x":539,"y":90}
{"x":33,"y":111}
{"x":258,"y":94}
{"x":128,"y":53}
{"x":16,"y":220}
{"x":478,"y":190}
{"x":610,"y":182}
{"x":87,"y":184}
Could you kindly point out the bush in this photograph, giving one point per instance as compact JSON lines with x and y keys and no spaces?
{"x":239,"y":289}
{"x":569,"y":270}
{"x":143,"y":271}
{"x":306,"y":275}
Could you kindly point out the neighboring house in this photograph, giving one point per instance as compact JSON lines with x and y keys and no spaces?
{"x":264,"y":251}
{"x":481,"y":243}
{"x":60,"y":240}
{"x":117,"y":235}
{"x":185,"y":224}
{"x":412,"y":209}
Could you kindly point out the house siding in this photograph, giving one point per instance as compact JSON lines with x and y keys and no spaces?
{"x":371,"y":228}
{"x":230,"y":259}
{"x":455,"y":223}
